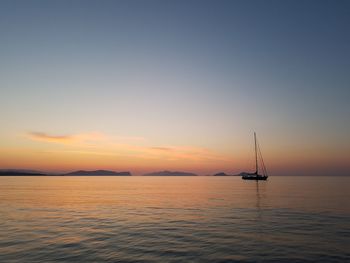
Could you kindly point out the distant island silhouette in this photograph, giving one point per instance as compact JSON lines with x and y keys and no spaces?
{"x":224,"y":174}
{"x":23,"y":172}
{"x":221,"y":174}
{"x":19,"y":172}
{"x":170,"y":173}
{"x":98,"y":172}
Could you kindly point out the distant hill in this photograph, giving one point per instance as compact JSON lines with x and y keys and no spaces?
{"x":224,"y":174}
{"x":170,"y":173}
{"x":98,"y":172}
{"x":20,"y":172}
{"x":220,"y":174}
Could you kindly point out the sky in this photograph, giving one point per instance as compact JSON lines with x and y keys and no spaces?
{"x":175,"y":85}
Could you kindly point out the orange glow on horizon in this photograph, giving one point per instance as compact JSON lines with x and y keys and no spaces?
{"x":93,"y":151}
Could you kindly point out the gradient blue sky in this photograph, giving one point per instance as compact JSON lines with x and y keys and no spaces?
{"x":176,"y":76}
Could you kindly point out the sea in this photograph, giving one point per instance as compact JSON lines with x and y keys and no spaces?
{"x":174,"y":219}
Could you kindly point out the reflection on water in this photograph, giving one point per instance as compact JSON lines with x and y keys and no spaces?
{"x":171,"y":219}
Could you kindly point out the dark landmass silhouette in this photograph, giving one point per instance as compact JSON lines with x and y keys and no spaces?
{"x":22,"y":172}
{"x":98,"y":172}
{"x":224,"y":174}
{"x":170,"y":173}
{"x":221,"y":174}
{"x":19,"y":172}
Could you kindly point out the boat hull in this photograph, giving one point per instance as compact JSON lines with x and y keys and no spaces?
{"x":254,"y":177}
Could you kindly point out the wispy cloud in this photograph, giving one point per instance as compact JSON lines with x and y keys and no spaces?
{"x":65,"y":139}
{"x":163,"y":149}
{"x":131,"y":147}
{"x":129,"y":138}
{"x":88,"y":152}
{"x":41,"y":136}
{"x":174,"y":153}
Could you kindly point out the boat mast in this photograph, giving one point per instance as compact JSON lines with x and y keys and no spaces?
{"x":256,"y":156}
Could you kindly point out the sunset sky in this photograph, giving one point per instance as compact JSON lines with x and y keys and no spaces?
{"x":179,"y":85}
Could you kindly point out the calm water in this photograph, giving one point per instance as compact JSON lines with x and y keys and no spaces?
{"x":174,"y":219}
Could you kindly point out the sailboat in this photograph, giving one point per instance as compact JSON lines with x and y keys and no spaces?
{"x":256,"y":175}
